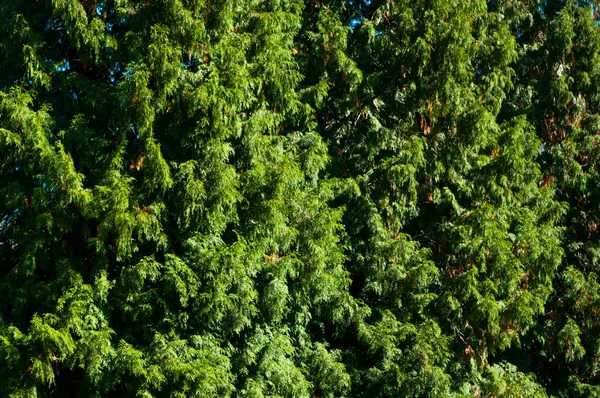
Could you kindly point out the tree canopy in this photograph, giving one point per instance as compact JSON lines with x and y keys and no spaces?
{"x":299,"y":198}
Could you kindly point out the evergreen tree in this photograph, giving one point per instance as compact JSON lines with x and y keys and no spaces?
{"x":289,"y":198}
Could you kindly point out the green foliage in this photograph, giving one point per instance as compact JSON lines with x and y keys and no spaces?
{"x":299,"y":198}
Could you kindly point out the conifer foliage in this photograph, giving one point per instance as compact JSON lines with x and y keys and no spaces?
{"x":288,"y":198}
